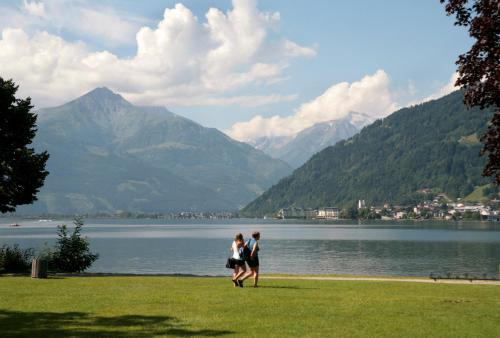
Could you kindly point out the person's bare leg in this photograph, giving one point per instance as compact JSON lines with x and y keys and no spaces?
{"x":241,"y":272}
{"x":236,"y":271}
{"x":250,"y":273}
{"x":255,"y":277}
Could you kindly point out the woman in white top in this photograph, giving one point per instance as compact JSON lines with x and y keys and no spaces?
{"x":239,"y":260}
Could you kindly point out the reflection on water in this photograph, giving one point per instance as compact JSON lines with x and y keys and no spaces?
{"x":400,"y":249}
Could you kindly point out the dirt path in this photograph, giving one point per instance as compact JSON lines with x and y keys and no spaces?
{"x":387,"y":279}
{"x":332,"y":278}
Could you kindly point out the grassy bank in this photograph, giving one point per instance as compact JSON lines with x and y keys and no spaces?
{"x":183,"y":306}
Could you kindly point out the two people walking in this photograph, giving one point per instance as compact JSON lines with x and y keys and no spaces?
{"x":245,"y":252}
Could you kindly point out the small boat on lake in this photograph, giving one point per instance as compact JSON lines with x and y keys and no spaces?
{"x":13,"y":225}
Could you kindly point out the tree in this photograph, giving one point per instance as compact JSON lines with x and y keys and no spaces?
{"x":349,"y":213}
{"x":22,"y":171}
{"x":72,"y":253}
{"x":479,"y":69}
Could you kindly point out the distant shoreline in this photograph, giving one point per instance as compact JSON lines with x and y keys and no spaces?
{"x":33,"y":222}
{"x":239,"y":219}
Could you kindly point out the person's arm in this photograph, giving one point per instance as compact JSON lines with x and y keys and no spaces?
{"x":253,"y":250}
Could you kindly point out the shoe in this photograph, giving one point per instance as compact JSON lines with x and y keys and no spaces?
{"x":235,"y":283}
{"x":240,"y":283}
{"x":255,"y":286}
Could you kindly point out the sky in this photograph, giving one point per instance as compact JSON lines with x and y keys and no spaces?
{"x":249,"y":68}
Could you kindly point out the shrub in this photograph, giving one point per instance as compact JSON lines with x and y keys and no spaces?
{"x":72,"y":253}
{"x":15,"y":259}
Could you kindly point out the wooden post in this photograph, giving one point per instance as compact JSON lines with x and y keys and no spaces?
{"x":39,"y":268}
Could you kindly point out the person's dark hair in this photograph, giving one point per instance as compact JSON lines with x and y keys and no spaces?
{"x":238,"y":237}
{"x":256,"y":234}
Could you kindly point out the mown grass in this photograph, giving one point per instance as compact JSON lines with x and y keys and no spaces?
{"x":185,"y":306}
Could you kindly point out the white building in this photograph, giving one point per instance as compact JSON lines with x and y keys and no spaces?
{"x":328,"y":213}
{"x":310,"y":213}
{"x":361,"y":204}
{"x":401,"y":214}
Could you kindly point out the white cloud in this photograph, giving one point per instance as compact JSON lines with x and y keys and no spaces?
{"x":180,"y":61}
{"x":293,"y":49}
{"x":16,"y":18}
{"x":100,"y":23}
{"x":34,"y":8}
{"x":370,"y":95}
{"x":445,"y":90}
{"x":104,"y":24}
{"x":42,"y":64}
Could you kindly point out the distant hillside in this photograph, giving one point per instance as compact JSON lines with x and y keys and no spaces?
{"x":297,"y":149}
{"x":434,"y":145}
{"x":108,"y":155}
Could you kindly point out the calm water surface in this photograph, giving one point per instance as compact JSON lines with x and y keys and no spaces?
{"x":201,"y":248}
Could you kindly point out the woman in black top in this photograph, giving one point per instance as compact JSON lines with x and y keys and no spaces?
{"x":252,"y":259}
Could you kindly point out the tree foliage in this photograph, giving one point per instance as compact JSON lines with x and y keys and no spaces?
{"x":350,"y":212}
{"x":479,"y":68}
{"x":22,"y":171}
{"x":366,"y":213}
{"x":72,"y":252}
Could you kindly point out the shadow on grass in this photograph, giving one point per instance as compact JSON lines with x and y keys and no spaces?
{"x":79,"y":324}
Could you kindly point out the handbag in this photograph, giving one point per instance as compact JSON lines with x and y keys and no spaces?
{"x":246,"y":252}
{"x":230,"y":263}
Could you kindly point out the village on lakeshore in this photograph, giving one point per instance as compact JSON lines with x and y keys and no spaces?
{"x":440,"y":208}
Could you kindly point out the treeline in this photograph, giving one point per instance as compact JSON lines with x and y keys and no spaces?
{"x":429,"y":147}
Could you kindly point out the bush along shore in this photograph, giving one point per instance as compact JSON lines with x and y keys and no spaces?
{"x":70,"y":254}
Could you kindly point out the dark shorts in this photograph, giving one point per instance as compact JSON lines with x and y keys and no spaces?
{"x":239,"y":262}
{"x":253,"y":263}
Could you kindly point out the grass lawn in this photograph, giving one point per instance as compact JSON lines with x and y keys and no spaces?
{"x":184,"y":306}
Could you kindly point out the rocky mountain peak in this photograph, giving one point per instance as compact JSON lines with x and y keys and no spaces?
{"x":101,"y":99}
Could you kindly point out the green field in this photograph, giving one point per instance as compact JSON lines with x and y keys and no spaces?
{"x":477,"y":195}
{"x":184,"y":306}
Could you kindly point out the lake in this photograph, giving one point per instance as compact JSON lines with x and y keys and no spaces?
{"x":201,"y":247}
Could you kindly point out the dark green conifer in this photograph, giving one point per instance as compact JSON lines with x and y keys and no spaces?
{"x":22,"y":171}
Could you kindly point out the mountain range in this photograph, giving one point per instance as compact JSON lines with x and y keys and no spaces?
{"x":298,"y":148}
{"x":428,"y":148}
{"x":107,"y":155}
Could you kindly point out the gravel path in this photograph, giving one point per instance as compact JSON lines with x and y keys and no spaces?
{"x":388,"y":279}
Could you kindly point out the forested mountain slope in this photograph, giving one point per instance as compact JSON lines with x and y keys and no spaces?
{"x":434,"y":146}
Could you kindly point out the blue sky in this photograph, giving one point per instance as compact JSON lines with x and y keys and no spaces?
{"x":266,"y":68}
